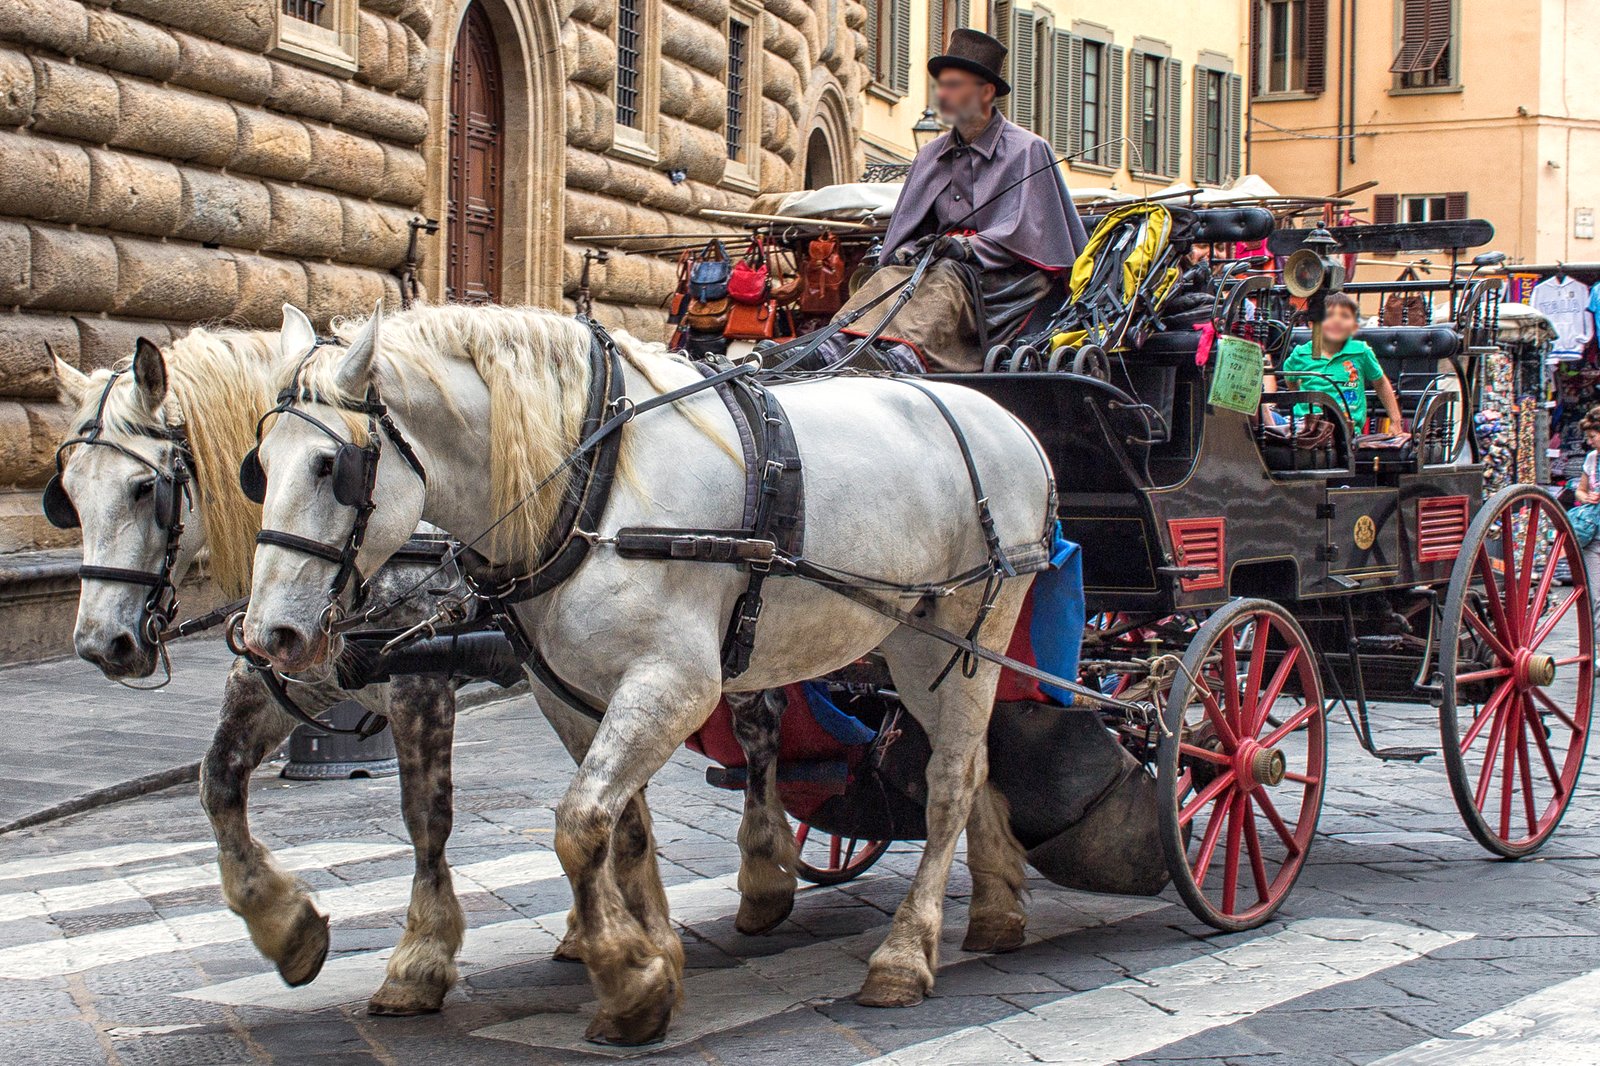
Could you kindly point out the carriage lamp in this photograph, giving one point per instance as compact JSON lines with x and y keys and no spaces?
{"x":1312,"y":271}
{"x":926,"y":129}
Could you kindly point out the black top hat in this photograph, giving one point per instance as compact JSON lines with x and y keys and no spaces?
{"x":975,"y":52}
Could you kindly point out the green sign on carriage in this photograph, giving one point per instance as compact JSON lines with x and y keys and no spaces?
{"x":1236,"y":382}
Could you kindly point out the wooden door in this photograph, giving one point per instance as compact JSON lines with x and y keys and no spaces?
{"x":477,"y":154}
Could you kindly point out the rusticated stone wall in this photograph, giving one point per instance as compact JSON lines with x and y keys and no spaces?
{"x":158,"y":168}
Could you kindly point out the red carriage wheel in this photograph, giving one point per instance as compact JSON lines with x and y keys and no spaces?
{"x":1240,"y":765}
{"x":1516,"y":664}
{"x":842,"y":858}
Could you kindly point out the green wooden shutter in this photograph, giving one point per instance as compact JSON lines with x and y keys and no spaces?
{"x":1066,"y":101}
{"x":963,"y":14}
{"x":1112,"y":131}
{"x":1202,"y":138}
{"x":1135,"y":130}
{"x":1172,"y":140}
{"x":1024,"y":108}
{"x":902,"y":46}
{"x":872,"y":40}
{"x":1233,"y":128}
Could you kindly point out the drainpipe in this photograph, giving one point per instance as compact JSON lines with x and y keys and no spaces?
{"x":1338,"y":141}
{"x":1351,"y":142}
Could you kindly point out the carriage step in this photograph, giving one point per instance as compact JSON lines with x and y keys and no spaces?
{"x":1403,"y":754}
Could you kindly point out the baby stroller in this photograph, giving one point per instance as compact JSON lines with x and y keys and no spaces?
{"x":1119,"y":283}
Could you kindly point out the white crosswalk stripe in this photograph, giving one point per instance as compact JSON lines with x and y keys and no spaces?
{"x":1132,"y":1018}
{"x":115,"y":855}
{"x":43,"y":902}
{"x":488,"y":947}
{"x":1557,"y":1024}
{"x":764,"y":986}
{"x":54,"y":958}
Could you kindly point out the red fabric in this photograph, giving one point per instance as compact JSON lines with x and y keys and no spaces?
{"x":1208,"y":337}
{"x":1013,"y":686}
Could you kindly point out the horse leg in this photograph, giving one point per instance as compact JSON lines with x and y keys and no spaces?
{"x":638,"y":876}
{"x":276,"y":907}
{"x":422,"y":969}
{"x":956,"y":716}
{"x":766,"y":843}
{"x":576,"y":733}
{"x":996,"y":920}
{"x":637,"y":981}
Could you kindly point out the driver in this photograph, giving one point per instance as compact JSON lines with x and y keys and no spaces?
{"x":994,"y":265}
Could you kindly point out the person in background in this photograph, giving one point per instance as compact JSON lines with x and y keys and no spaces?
{"x":1588,"y":491}
{"x":1344,"y":368}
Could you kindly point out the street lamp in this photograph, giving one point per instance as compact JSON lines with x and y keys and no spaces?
{"x":926,"y":129}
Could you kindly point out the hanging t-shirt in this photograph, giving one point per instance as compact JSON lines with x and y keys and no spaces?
{"x":1566,"y":305}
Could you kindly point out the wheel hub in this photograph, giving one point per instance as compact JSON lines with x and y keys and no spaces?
{"x":1535,"y":669}
{"x":1261,"y":766}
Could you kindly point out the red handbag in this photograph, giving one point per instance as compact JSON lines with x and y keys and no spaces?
{"x":750,"y":280}
{"x":752,"y":322}
{"x":822,"y":275}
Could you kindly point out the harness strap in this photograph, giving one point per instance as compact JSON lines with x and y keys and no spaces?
{"x":372,"y":723}
{"x":127,"y":577}
{"x":304,"y":545}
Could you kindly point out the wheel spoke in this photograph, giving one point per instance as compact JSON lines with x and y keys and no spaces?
{"x":1219,"y":719}
{"x":1230,"y":868}
{"x":1549,"y":625}
{"x":833,"y":852}
{"x":1295,"y":721}
{"x":1486,"y":634}
{"x":1572,"y":660}
{"x":1252,"y":686}
{"x":1542,"y":596}
{"x":1491,"y":706}
{"x":1483,"y":675}
{"x":1497,"y":607}
{"x":1487,"y":773}
{"x":1519,"y":584}
{"x":1208,"y":843}
{"x":1303,"y":779}
{"x":1271,"y":812}
{"x":1204,"y":755}
{"x":1526,"y":769}
{"x":1536,"y":727}
{"x":1230,"y":676}
{"x":1206,"y":795}
{"x":1508,"y":772}
{"x":1566,"y":719}
{"x":849,"y":853}
{"x":1275,"y":687}
{"x":1252,"y":843}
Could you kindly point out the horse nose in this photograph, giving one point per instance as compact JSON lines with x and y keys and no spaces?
{"x":280,"y":644}
{"x":113,"y":655}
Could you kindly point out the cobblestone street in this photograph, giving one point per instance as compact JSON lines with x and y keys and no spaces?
{"x":1402,"y":938}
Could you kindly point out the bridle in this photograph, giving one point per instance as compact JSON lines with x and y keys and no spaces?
{"x":169,"y":495}
{"x":355,"y":475}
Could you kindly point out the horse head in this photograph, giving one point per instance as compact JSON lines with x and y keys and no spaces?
{"x":122,"y":478}
{"x":322,"y":466}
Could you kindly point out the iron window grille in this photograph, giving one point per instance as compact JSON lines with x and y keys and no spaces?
{"x":630,"y":32}
{"x":306,"y":10}
{"x":738,"y":43}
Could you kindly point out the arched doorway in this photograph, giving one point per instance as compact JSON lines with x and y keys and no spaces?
{"x":476,"y":163}
{"x":819,"y":161}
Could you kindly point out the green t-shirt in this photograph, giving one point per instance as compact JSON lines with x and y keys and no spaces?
{"x":1346,"y":375}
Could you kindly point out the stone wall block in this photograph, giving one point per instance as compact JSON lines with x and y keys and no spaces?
{"x":305,"y":222}
{"x":59,"y":25}
{"x":16,"y":264}
{"x":636,"y":279}
{"x":103,"y":341}
{"x":416,"y":83}
{"x":389,"y":117}
{"x":223,"y":71}
{"x":71,"y":271}
{"x":591,"y":55}
{"x":780,"y":82}
{"x":701,"y":153}
{"x":265,"y":285}
{"x":591,"y":118}
{"x":341,"y":290}
{"x":42,"y":178}
{"x":27,"y":346}
{"x":417,"y":15}
{"x":345,"y":162}
{"x":180,"y":282}
{"x":176,"y":124}
{"x":28,"y":442}
{"x":374,"y":235}
{"x":74,"y":101}
{"x":271,"y":145}
{"x":788,"y":41}
{"x":405,"y":176}
{"x":130,"y":45}
{"x":712,"y":11}
{"x":589,"y":214}
{"x":598,"y":13}
{"x":692,"y":95}
{"x":776,"y":173}
{"x":16,"y":88}
{"x":224,"y":209}
{"x":382,"y":58}
{"x":697,"y":43}
{"x":300,"y":91}
{"x":645,"y":323}
{"x":133,"y":193}
{"x":250,"y":24}
{"x":778,"y":131}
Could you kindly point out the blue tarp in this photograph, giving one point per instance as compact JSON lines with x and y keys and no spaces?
{"x":1058,"y":615}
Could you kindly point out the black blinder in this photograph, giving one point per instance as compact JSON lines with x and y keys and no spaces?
{"x":58,"y":508}
{"x":252,"y":477}
{"x":352,"y":474}
{"x":168,"y":500}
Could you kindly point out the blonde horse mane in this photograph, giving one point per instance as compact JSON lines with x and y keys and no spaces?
{"x":535,"y":364}
{"x":219,"y":382}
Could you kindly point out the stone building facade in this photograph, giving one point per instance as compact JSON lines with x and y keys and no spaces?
{"x":171,"y":162}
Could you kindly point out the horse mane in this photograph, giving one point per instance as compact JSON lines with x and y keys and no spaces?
{"x":219,"y":382}
{"x":535,"y":364}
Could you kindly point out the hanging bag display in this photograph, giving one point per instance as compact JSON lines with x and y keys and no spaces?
{"x":822,"y":277}
{"x":1406,"y":308}
{"x":750,"y":281}
{"x":708,"y":316}
{"x":708,"y":278}
{"x":678,"y":302}
{"x":752,"y":322}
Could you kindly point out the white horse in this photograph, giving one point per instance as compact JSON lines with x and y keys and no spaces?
{"x":492,"y":400}
{"x":215,"y":384}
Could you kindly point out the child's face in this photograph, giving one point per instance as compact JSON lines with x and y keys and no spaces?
{"x":1339,"y":325}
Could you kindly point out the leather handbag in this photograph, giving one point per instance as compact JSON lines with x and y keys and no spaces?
{"x":752,"y":322}
{"x":708,"y":278}
{"x":750,"y":281}
{"x":822,"y":277}
{"x":708,"y":316}
{"x":678,"y":302}
{"x":1406,"y":308}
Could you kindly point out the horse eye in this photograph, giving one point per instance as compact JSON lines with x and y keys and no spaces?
{"x":142,"y":489}
{"x":325,"y":466}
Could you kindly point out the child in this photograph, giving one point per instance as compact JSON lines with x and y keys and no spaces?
{"x":1344,"y":368}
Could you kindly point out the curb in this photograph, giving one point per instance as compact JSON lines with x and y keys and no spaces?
{"x":189,"y":773}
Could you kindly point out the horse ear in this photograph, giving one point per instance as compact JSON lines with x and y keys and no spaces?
{"x":149,"y":373}
{"x":74,"y":383}
{"x":298,"y":336}
{"x":355,"y":370}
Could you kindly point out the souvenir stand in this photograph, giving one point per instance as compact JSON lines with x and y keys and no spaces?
{"x":1516,"y":398}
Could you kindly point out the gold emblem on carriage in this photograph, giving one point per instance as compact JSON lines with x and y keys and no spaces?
{"x":1366,"y":532}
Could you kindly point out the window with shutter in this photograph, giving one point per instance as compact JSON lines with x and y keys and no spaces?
{"x":1206,"y":104}
{"x":1115,"y":86}
{"x":1316,"y":48}
{"x":1256,"y":25}
{"x":1021,"y":107}
{"x":1233,"y":128}
{"x":1172,"y":128}
{"x":874,"y":9}
{"x":1455,"y":205}
{"x":1044,"y":76}
{"x":1426,"y":54}
{"x":1142,"y":150}
{"x":1066,"y":111}
{"x":900,"y":76}
{"x":1288,"y":46}
{"x":1385,"y":208}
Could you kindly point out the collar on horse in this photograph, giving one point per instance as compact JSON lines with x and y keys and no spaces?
{"x":355,"y":475}
{"x":170,"y":494}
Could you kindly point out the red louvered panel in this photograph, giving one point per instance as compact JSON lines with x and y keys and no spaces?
{"x":1441,"y":527}
{"x":1200,"y":543}
{"x":1316,"y":29}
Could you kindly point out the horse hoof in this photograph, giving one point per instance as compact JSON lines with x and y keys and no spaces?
{"x":568,"y":951}
{"x":310,"y":951}
{"x":893,"y":987}
{"x":639,"y":1028}
{"x":995,"y":936}
{"x":395,"y":1000}
{"x":760,"y":916}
